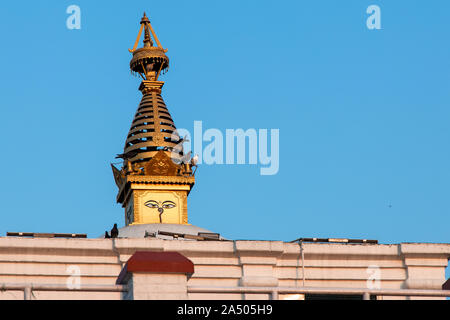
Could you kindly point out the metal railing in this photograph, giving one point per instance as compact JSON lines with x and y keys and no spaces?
{"x":274,"y":292}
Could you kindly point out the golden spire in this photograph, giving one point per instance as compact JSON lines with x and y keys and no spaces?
{"x":153,"y":128}
{"x":156,"y":176}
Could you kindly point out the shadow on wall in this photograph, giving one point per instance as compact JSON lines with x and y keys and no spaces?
{"x":446,"y":285}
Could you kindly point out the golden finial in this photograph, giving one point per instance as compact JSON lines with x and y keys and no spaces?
{"x":148,"y":61}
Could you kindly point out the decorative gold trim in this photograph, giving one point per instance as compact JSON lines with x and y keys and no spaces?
{"x":149,"y":60}
{"x":182,"y":195}
{"x":148,"y":86}
{"x":161,"y":179}
{"x":137,"y":206}
{"x":161,"y":165}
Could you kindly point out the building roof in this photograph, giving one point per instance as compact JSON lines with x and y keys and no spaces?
{"x":140,"y":230}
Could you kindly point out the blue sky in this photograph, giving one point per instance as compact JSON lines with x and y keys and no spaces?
{"x":363,"y":114}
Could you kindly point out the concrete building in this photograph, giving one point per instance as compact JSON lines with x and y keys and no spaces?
{"x":159,"y":255}
{"x":54,"y":268}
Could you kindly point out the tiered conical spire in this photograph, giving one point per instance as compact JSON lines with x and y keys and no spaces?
{"x":152,"y":128}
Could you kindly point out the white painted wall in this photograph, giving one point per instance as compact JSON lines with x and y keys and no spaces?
{"x":221,"y":263}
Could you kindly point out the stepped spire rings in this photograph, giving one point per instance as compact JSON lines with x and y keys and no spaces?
{"x":150,"y":60}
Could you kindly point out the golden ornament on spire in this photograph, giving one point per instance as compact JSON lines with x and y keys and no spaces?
{"x":148,"y":61}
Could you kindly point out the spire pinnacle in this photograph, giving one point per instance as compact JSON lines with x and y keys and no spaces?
{"x":150,"y":60}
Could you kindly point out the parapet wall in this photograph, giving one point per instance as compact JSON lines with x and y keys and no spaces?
{"x":221,"y":264}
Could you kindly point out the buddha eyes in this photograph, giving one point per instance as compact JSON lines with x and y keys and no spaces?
{"x":168,"y":204}
{"x":152,"y":204}
{"x":156,"y":205}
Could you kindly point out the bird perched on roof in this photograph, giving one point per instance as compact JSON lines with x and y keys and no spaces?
{"x":128,"y":155}
{"x":107,"y":236}
{"x":183,"y":139}
{"x":185,"y":158}
{"x":194,"y":160}
{"x":114,"y":231}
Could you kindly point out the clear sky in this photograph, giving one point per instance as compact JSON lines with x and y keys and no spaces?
{"x":363,"y":114}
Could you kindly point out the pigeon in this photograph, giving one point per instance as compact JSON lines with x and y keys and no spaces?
{"x":186,"y":157}
{"x":179,"y":139}
{"x":194,"y":160}
{"x":107,"y":236}
{"x":128,"y":155}
{"x":114,"y":231}
{"x":183,"y":140}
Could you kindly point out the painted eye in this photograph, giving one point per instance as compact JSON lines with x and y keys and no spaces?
{"x":168,"y":204}
{"x":152,"y":204}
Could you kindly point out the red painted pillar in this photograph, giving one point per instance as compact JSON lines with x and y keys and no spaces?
{"x":156,"y":276}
